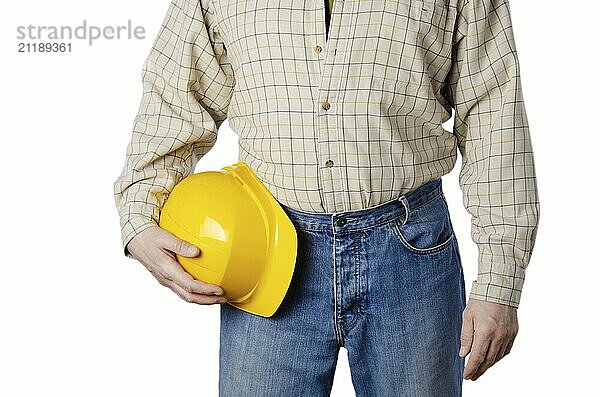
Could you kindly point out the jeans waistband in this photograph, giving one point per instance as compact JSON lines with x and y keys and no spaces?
{"x":366,"y":217}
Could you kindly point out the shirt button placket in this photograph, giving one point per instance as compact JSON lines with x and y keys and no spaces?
{"x":327,"y":145}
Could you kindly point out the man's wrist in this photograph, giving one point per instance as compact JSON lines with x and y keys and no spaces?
{"x":131,"y":229}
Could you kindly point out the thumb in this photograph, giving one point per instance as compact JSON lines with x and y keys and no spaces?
{"x":466,"y":336}
{"x":181,"y":247}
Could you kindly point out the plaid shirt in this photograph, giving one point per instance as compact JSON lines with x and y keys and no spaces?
{"x":344,"y":121}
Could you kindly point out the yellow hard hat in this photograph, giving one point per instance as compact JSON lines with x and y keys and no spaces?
{"x":247,"y":242}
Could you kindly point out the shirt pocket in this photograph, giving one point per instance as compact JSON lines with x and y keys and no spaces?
{"x":400,"y":39}
{"x":401,"y":52}
{"x":423,"y":27}
{"x":436,"y":27}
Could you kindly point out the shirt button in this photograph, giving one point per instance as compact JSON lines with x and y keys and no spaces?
{"x":318,"y":49}
{"x":329,"y":163}
{"x":326,"y":105}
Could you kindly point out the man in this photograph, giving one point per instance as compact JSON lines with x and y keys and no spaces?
{"x":341,"y":118}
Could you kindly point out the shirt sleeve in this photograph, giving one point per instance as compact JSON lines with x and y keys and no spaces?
{"x":497,"y":175}
{"x":187,"y":85}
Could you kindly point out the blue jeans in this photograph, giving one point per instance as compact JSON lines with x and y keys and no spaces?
{"x":385,"y":282}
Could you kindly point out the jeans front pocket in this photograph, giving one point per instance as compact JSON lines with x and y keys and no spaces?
{"x":428,"y":229}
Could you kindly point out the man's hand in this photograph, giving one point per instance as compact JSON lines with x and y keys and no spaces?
{"x":155,"y":248}
{"x":488,"y":332}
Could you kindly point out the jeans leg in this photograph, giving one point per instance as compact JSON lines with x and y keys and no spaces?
{"x":407,"y":341}
{"x":294,"y":352}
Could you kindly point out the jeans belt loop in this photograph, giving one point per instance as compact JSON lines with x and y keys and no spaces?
{"x":404,"y":202}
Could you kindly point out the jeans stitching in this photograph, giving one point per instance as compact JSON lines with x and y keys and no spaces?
{"x":357,"y":274}
{"x":336,"y":327}
{"x":422,"y":251}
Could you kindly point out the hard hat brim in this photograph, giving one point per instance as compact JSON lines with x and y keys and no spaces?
{"x":271,"y":288}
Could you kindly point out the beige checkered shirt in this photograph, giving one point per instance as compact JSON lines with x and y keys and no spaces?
{"x":344,"y":122}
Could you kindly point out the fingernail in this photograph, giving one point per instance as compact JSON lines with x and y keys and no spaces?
{"x":217,"y":292}
{"x":222,"y":301}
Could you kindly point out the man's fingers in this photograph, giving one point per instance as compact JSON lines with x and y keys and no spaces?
{"x":509,"y":346}
{"x":502,"y":351}
{"x":179,"y":246}
{"x":478,"y":353}
{"x":466,"y":335}
{"x":185,"y":281}
{"x":196,"y":298}
{"x":490,"y":358}
{"x":172,"y":270}
{"x":158,"y":250}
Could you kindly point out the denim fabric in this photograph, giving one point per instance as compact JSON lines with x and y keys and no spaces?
{"x":385,"y":282}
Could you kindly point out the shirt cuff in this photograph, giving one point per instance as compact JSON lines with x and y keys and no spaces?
{"x":499,"y":283}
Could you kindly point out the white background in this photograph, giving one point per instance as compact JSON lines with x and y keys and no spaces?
{"x":80,"y":319}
